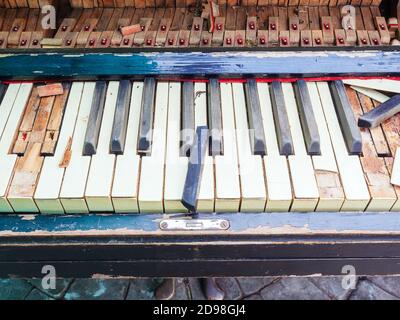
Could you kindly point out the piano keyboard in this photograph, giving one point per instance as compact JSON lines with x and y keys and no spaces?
{"x":252,"y":25}
{"x":124,"y":146}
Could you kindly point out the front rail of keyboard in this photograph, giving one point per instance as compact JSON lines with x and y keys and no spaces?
{"x":254,"y":244}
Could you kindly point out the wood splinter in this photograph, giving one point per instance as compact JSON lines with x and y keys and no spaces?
{"x":67,"y":155}
{"x":128,"y":30}
{"x":52,"y":89}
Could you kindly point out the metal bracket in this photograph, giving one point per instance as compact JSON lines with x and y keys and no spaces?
{"x":194,"y":224}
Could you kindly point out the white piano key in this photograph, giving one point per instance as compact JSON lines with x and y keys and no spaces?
{"x":51,"y":176}
{"x":176,"y":166}
{"x":152,"y":169}
{"x":373,"y":94}
{"x":18,"y":98}
{"x":126,"y":177}
{"x":7,"y":104}
{"x":387,"y":85}
{"x":227,"y":198}
{"x":101,"y":172}
{"x":395,"y":175}
{"x":351,"y":173}
{"x":250,"y":166}
{"x":206,"y":196}
{"x":279,"y":190}
{"x":325,"y":167}
{"x":301,"y":167}
{"x":75,"y":176}
{"x":326,"y":161}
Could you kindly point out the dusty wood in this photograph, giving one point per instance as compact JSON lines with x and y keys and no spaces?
{"x":377,"y":177}
{"x":377,"y":134}
{"x":67,"y":155}
{"x":86,"y":30}
{"x":42,"y":118}
{"x":382,"y":28}
{"x":374,"y":38}
{"x":16,"y":30}
{"x":25,"y":39}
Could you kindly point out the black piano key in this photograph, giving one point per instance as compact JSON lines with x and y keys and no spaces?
{"x":378,"y":115}
{"x":348,"y":124}
{"x":215,"y":117}
{"x":187,"y":132}
{"x":95,"y":118}
{"x":196,"y":164}
{"x":3,"y":89}
{"x":146,"y":116}
{"x":282,"y":126}
{"x":307,"y":118}
{"x":257,"y":140}
{"x":118,"y":134}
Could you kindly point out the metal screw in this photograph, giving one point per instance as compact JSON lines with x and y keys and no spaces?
{"x":164,"y":225}
{"x":294,"y":26}
{"x":273,"y":26}
{"x":224,"y":224}
{"x":262,"y":40}
{"x":126,"y":41}
{"x":64,"y":28}
{"x":205,"y":41}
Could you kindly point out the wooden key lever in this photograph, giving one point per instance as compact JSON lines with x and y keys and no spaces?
{"x":378,"y":115}
{"x":196,"y":163}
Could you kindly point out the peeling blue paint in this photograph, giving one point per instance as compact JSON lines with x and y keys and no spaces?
{"x":313,"y":221}
{"x":300,"y":63}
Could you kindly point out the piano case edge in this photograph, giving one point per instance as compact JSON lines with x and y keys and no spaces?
{"x":256,"y":244}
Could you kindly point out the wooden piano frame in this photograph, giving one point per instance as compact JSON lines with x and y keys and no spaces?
{"x":256,"y":244}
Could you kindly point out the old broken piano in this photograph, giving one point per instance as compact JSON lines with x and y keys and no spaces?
{"x":92,"y":174}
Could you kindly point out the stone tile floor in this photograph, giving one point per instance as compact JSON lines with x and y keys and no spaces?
{"x":188,"y":288}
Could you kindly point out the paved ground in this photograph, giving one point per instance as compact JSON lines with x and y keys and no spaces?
{"x":236,"y":288}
